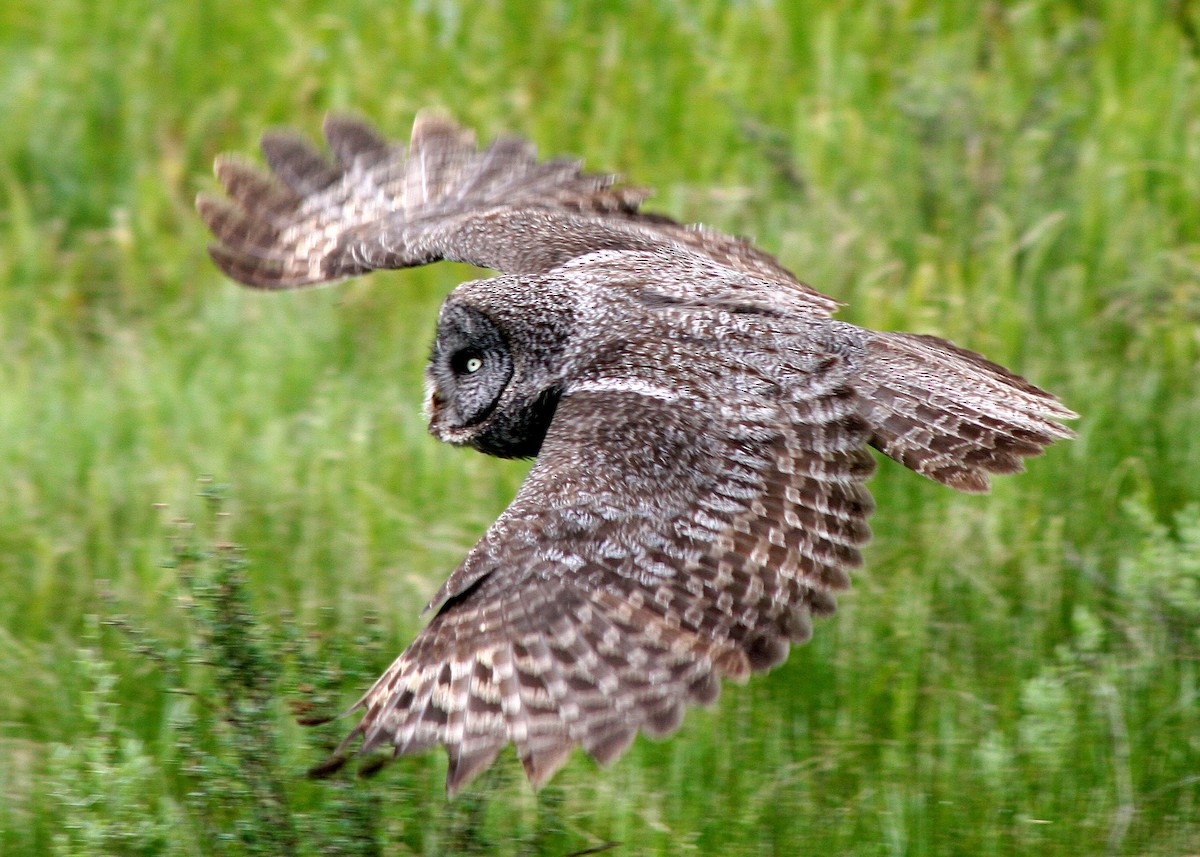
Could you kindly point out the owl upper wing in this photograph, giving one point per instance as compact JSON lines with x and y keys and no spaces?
{"x":377,"y":206}
{"x":657,"y":545}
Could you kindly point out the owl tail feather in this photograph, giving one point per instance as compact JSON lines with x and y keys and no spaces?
{"x":951,"y":414}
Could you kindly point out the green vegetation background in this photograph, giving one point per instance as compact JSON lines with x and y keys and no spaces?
{"x":1012,"y":674}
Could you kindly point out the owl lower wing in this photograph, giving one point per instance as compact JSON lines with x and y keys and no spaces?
{"x":655,"y":547}
{"x":376,"y":205}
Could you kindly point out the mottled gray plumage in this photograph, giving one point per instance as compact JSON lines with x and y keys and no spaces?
{"x":700,"y":424}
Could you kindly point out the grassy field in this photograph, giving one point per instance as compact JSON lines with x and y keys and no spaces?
{"x":1012,"y":674}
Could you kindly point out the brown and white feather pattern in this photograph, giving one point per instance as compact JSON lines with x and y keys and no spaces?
{"x":951,"y":414}
{"x":701,"y":427}
{"x":379,"y":206}
{"x":588,"y":617}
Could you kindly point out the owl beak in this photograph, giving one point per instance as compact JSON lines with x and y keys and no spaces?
{"x":434,"y":406}
{"x":441,"y":415}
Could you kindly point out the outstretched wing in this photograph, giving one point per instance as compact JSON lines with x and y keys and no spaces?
{"x":657,"y":545}
{"x":377,"y":206}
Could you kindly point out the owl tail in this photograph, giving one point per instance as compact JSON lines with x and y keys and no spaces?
{"x":951,"y":414}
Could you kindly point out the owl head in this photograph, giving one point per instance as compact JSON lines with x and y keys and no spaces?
{"x":497,"y":366}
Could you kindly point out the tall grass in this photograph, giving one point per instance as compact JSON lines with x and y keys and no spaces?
{"x":1012,"y":674}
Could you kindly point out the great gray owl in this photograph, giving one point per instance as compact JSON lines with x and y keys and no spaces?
{"x":700,"y":426}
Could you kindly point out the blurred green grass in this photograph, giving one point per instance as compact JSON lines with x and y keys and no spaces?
{"x":1011,"y":674}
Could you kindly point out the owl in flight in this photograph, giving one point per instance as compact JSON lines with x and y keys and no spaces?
{"x":700,"y":427}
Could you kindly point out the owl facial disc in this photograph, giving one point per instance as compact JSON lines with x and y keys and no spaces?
{"x":469,"y":368}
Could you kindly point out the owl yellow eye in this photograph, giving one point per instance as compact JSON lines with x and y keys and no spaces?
{"x":468,"y":361}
